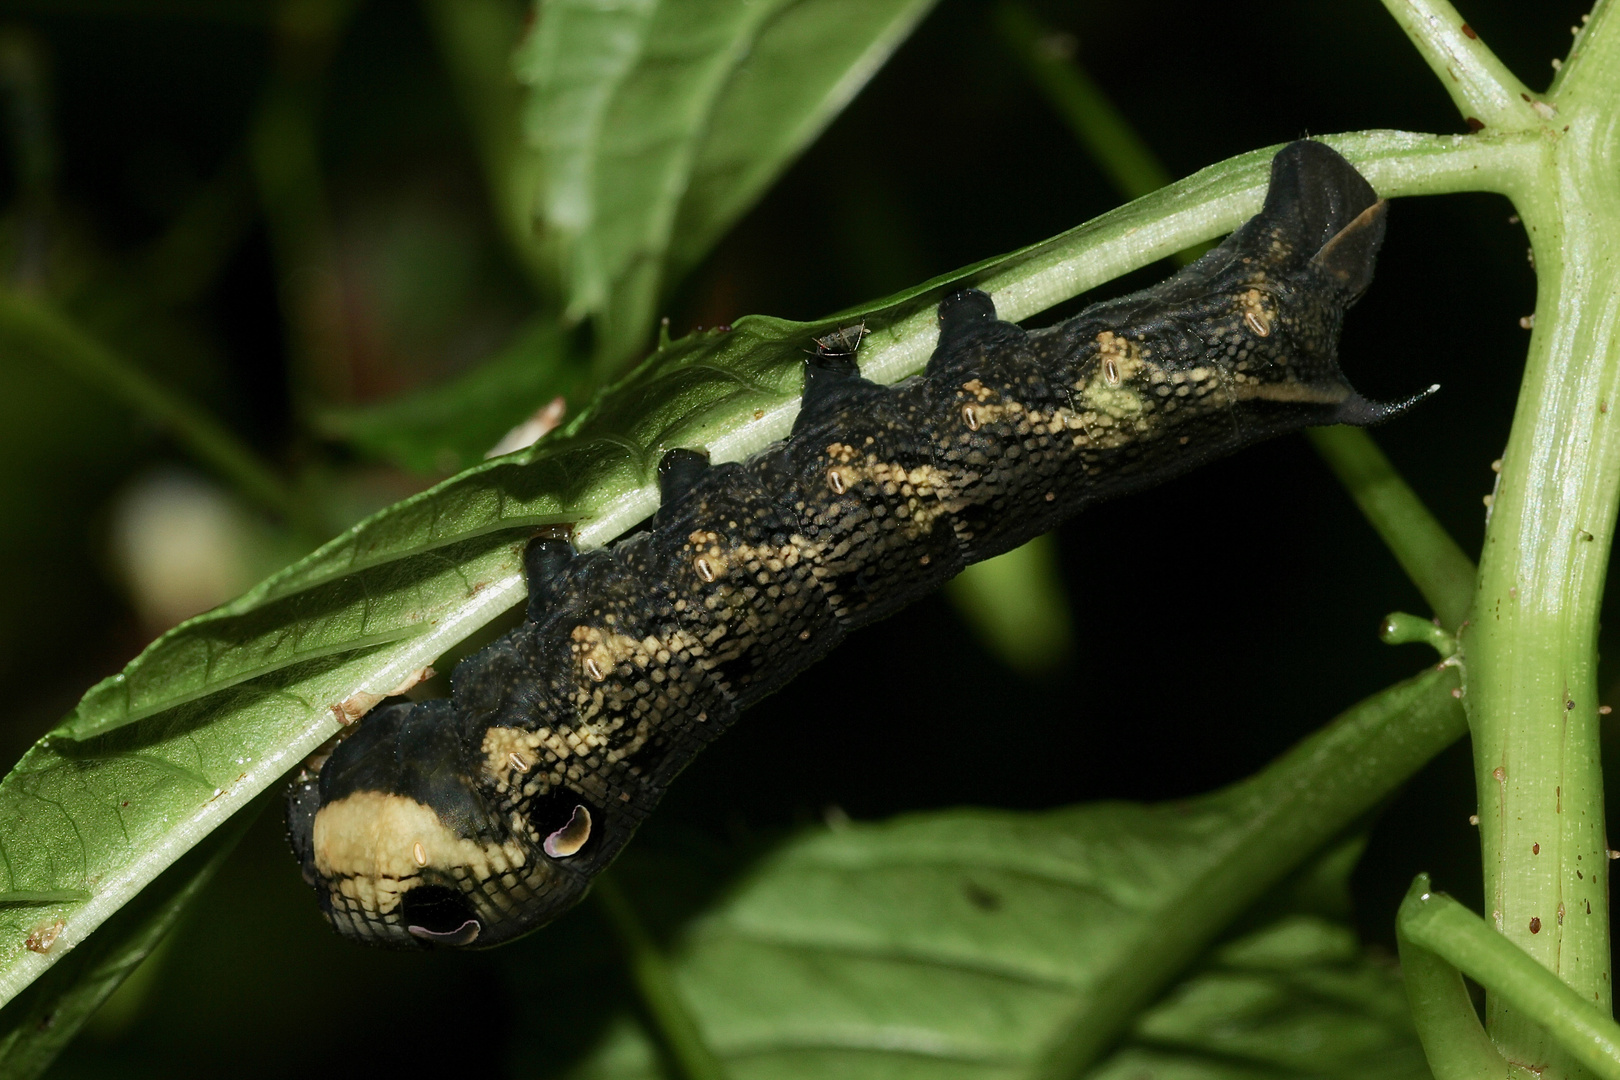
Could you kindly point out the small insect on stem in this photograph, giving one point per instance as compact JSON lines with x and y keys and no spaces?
{"x":845,"y":341}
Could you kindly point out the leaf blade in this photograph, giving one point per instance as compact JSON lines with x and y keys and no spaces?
{"x":657,"y":123}
{"x":1003,"y":943}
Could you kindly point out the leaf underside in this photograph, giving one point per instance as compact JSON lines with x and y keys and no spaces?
{"x":969,"y":943}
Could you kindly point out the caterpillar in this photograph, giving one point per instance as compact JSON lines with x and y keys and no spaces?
{"x":474,"y":819}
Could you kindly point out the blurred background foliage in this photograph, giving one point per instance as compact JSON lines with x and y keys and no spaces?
{"x":285,"y":213}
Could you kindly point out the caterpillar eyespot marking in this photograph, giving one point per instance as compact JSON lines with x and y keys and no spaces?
{"x":472,"y":820}
{"x":568,"y":840}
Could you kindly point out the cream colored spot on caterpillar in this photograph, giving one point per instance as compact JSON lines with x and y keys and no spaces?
{"x":366,"y":845}
{"x":600,"y":650}
{"x":923,"y":490}
{"x":1291,"y":391}
{"x":1125,"y":354}
{"x":711,"y":562}
{"x":508,"y":753}
{"x":1119,"y":360}
{"x":976,"y":389}
{"x":1255,"y":313}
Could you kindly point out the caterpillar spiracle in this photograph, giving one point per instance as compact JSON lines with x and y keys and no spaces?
{"x":474,"y":819}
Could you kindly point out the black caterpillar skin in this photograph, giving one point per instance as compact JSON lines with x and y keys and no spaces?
{"x":479,"y":818}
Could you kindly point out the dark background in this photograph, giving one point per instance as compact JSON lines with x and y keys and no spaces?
{"x":1182,"y":680}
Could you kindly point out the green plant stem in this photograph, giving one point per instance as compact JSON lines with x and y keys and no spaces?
{"x":43,"y":332}
{"x":1099,"y":127}
{"x":1428,"y":554}
{"x":1480,"y":85}
{"x":1433,"y":923}
{"x":1399,"y":628}
{"x":655,"y":983}
{"x":1455,"y":1043}
{"x":1530,"y":645}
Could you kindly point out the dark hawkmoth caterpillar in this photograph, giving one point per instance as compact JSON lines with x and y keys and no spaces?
{"x":475,"y":819}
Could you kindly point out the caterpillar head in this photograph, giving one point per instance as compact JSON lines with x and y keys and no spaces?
{"x":407,"y":846}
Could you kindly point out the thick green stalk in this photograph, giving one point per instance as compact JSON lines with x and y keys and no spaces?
{"x":1483,"y":89}
{"x":1428,"y":554}
{"x":1440,"y":938}
{"x":1531,"y":644}
{"x":1455,"y":1043}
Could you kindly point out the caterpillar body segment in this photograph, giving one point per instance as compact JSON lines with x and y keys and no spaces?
{"x":473,"y":820}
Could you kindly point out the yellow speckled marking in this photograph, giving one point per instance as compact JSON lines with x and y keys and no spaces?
{"x":1255,"y":312}
{"x":368,"y":844}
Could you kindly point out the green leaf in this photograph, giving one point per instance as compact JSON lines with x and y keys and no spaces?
{"x":476,"y":38}
{"x":449,"y":427}
{"x":986,"y":943}
{"x":39,"y":1024}
{"x":659,"y":122}
{"x":217,"y":709}
{"x":806,"y":64}
{"x":1297,"y":997}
